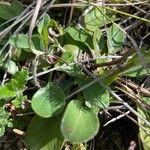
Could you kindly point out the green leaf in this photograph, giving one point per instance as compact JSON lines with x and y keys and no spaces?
{"x":67,"y":57}
{"x":43,"y":24}
{"x":38,"y":42}
{"x":73,"y":49}
{"x":80,"y":35}
{"x":77,"y":34}
{"x":16,"y":85}
{"x":6,"y":92}
{"x":3,"y":120}
{"x":97,"y":40}
{"x":17,"y":102}
{"x":115,"y":39}
{"x":99,"y":43}
{"x":134,"y":66}
{"x":48,"y":101}
{"x":44,"y":134}
{"x":137,"y":71}
{"x":43,"y":28}
{"x":2,"y":130}
{"x":19,"y":80}
{"x":72,"y":70}
{"x":96,"y":18}
{"x":11,"y":67}
{"x":95,"y":95}
{"x":9,"y":11}
{"x":79,"y":123}
{"x":56,"y":27}
{"x":145,"y":113}
{"x":20,"y":41}
{"x":22,"y":55}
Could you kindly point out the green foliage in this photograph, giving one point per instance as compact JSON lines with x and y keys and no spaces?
{"x":10,"y":11}
{"x":136,"y":68}
{"x":21,"y":41}
{"x":43,"y":28}
{"x":11,"y":67}
{"x":95,"y":95}
{"x":97,"y":41}
{"x":79,"y":123}
{"x":144,"y":134}
{"x":70,"y":54}
{"x":15,"y":86}
{"x":48,"y":101}
{"x":4,"y":116}
{"x":80,"y":35}
{"x":44,"y":134}
{"x":96,"y":18}
{"x":115,"y":39}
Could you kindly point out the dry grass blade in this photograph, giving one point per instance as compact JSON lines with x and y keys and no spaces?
{"x":34,"y":17}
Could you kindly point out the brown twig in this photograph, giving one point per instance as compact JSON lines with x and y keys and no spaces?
{"x":71,"y":12}
{"x":116,"y":61}
{"x":34,"y":17}
{"x":83,"y":4}
{"x":135,"y":86}
{"x":129,"y":92}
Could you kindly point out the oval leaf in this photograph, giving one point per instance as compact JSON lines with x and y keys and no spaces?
{"x":115,"y":39}
{"x":19,"y":41}
{"x":95,"y":95}
{"x":9,"y":11}
{"x":48,"y":101}
{"x":79,"y":123}
{"x":80,"y":35}
{"x":97,"y":17}
{"x":44,"y":134}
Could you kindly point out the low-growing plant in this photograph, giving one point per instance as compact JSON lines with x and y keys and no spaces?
{"x":79,"y":64}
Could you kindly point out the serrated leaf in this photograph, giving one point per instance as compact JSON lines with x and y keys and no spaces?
{"x":79,"y":123}
{"x":3,"y":120}
{"x":2,"y":130}
{"x":48,"y":101}
{"x":44,"y":134}
{"x":95,"y":95}
{"x":96,"y":18}
{"x":19,"y":79}
{"x":115,"y":39}
{"x":15,"y":86}
{"x":10,"y":11}
{"x":6,"y":92}
{"x":17,"y":102}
